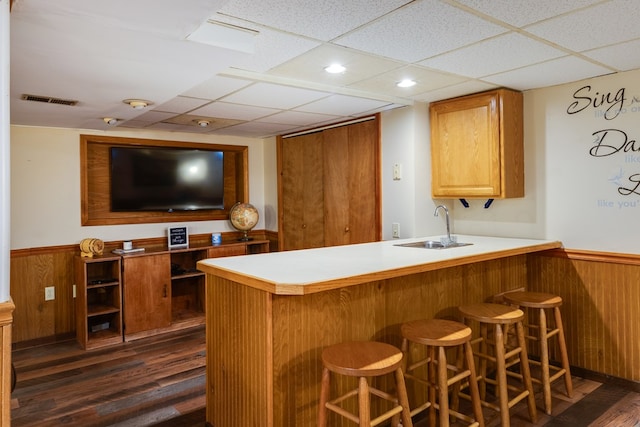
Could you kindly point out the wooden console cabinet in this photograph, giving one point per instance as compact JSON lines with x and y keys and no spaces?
{"x":137,"y":295}
{"x":163,"y":291}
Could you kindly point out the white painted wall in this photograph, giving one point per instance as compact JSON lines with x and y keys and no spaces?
{"x":570,"y":195}
{"x":405,"y":141}
{"x":45,"y":197}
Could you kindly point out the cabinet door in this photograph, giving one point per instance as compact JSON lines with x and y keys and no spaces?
{"x":147,"y":292}
{"x":350,"y":185}
{"x":465,"y":147}
{"x":302,"y":212}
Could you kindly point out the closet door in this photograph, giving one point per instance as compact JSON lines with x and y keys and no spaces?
{"x":301,"y":220}
{"x":351,"y":195}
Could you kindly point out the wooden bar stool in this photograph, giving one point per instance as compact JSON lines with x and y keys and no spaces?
{"x":500,"y":317}
{"x":438,"y":335}
{"x":363,"y":359}
{"x":541,"y":302}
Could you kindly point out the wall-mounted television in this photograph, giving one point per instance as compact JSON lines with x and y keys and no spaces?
{"x":166,"y":179}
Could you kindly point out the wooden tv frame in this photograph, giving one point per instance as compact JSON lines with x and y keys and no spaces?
{"x":95,"y":181}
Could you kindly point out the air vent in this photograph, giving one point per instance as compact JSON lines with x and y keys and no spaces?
{"x":49,"y":100}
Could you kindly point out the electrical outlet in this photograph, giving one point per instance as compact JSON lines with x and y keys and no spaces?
{"x":49,"y":293}
{"x":395,"y":230}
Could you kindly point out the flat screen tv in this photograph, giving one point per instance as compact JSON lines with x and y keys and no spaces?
{"x":166,"y":179}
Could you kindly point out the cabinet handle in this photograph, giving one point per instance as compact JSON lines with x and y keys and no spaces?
{"x":346,"y":229}
{"x":164,"y":291}
{"x":304,"y":225}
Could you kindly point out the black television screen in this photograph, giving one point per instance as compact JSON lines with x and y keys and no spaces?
{"x":166,"y":179}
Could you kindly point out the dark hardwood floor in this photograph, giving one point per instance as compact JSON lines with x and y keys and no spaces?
{"x":141,"y":383}
{"x":160,"y":381}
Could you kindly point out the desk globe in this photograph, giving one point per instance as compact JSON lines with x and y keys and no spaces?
{"x":243,"y":217}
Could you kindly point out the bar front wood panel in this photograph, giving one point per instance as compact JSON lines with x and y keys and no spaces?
{"x":263,"y":350}
{"x":601,"y":308}
{"x":239,"y":369}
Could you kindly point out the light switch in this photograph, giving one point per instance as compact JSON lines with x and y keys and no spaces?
{"x":397,"y":172}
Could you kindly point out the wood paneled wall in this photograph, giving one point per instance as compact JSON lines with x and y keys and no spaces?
{"x":33,"y":269}
{"x":601,"y":310}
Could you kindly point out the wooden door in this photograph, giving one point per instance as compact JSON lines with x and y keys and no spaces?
{"x":351,"y":196}
{"x":147,"y":292}
{"x":301,"y":221}
{"x":465,"y":147}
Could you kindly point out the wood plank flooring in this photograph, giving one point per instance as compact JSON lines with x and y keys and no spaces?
{"x":160,"y":381}
{"x":140,"y":383}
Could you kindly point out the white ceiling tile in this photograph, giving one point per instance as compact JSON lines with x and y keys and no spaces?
{"x":419,"y":31}
{"x":310,"y":66}
{"x":319,"y":19}
{"x":181,"y":104}
{"x":342,"y":105}
{"x":227,"y":110}
{"x":425,"y":80}
{"x":501,"y":53}
{"x":100,"y":56}
{"x":298,"y":118}
{"x":609,"y":23}
{"x":216,"y":87}
{"x":272,"y":47}
{"x":523,"y":12}
{"x":465,"y":88}
{"x":153,"y":116}
{"x":545,"y":74}
{"x":256,"y":129}
{"x":274,"y":96}
{"x":618,"y":56}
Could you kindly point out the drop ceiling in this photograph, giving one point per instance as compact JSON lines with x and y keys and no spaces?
{"x":261,"y":73}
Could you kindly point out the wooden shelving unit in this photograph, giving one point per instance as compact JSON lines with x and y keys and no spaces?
{"x":98,"y":301}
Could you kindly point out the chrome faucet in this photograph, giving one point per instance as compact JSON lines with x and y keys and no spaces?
{"x":446,"y":212}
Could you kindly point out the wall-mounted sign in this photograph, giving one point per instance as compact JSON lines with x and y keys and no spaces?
{"x":178,"y":237}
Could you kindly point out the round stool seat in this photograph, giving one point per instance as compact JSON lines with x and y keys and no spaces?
{"x":533,"y":299}
{"x":362,"y":358}
{"x":436,"y":332}
{"x":492,"y":313}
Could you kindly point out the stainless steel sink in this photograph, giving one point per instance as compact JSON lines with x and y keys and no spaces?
{"x":432,"y":244}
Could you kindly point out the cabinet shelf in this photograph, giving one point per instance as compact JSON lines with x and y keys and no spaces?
{"x":187,"y":275}
{"x":102,"y":284}
{"x":97,"y":310}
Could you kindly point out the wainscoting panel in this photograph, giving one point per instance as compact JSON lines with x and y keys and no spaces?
{"x":601,"y":310}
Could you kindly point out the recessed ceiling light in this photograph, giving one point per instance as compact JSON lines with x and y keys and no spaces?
{"x":203,"y":123}
{"x":110,"y":120}
{"x":137,"y":104}
{"x":335,"y":69}
{"x":406,"y":83}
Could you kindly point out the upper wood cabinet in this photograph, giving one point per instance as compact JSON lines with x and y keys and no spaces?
{"x":477,"y":146}
{"x":329,"y":187}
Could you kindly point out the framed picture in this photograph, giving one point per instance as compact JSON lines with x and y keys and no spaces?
{"x":177,"y":237}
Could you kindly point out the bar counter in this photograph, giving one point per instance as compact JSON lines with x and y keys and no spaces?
{"x":270,"y":315}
